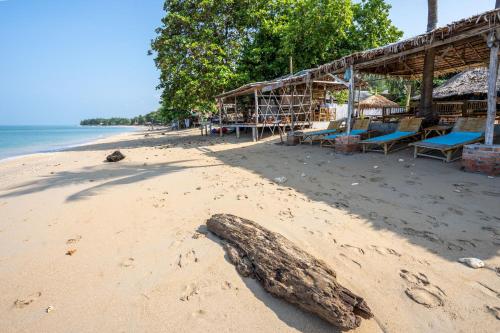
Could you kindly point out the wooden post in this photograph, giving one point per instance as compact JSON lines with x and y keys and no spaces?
{"x":256,"y":114}
{"x":493,"y":44}
{"x":350,"y":106}
{"x":292,"y":112}
{"x":220,"y":116}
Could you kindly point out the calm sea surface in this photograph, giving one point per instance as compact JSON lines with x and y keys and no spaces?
{"x":21,"y":140}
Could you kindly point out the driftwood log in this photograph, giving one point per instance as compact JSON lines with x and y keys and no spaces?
{"x":288,"y":272}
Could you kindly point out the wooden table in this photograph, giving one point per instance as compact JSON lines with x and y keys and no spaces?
{"x":438,"y":129}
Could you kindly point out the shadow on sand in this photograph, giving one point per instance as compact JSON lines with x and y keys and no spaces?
{"x":106,"y":175}
{"x":399,"y":199}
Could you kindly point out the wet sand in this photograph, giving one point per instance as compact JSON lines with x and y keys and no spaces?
{"x":108,"y":247}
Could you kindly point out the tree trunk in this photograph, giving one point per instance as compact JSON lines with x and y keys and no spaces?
{"x":426,"y":110}
{"x":432,"y":14}
{"x":288,"y":272}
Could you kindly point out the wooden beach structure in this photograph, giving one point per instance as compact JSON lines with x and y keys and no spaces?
{"x":289,"y":102}
{"x":463,"y":95}
{"x":464,"y":44}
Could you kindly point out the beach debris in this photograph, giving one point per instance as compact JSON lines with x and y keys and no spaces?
{"x":70,"y":252}
{"x":115,"y":156}
{"x":288,"y":272}
{"x":280,"y":179}
{"x":472,"y":262}
{"x":302,"y":174}
{"x":21,"y":303}
{"x":375,"y":166}
{"x":401,"y":160}
{"x":49,"y":309}
{"x":354,"y":184}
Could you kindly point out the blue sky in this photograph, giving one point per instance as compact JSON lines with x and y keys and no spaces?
{"x":65,"y":60}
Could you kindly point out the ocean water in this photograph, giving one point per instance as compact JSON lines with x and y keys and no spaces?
{"x":21,"y":140}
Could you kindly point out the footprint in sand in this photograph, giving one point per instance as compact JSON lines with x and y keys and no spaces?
{"x":357,"y":249}
{"x":385,"y":250}
{"x":421,"y":290}
{"x":74,"y":240}
{"x":424,"y":297}
{"x":189,"y":292}
{"x":21,"y":303}
{"x":354,"y":261}
{"x":129,"y":262}
{"x":494,"y":310}
{"x":187,"y":258}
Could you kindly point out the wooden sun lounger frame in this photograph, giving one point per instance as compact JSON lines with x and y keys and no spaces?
{"x":391,"y":145}
{"x":333,"y":125}
{"x":359,"y":124}
{"x":452,"y":153}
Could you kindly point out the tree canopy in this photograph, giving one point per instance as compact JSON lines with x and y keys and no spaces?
{"x":205,"y":47}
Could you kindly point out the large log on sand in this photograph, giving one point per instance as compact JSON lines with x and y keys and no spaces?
{"x":288,"y":272}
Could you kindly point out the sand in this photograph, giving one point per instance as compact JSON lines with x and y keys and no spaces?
{"x":88,"y":246}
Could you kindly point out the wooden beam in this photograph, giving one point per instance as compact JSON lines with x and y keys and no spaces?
{"x":361,"y":64}
{"x":351,"y":100}
{"x":493,"y":44}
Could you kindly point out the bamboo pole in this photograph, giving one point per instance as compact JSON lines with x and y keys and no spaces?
{"x":350,"y":106}
{"x":220,"y":116}
{"x":256,"y":114}
{"x":493,"y":44}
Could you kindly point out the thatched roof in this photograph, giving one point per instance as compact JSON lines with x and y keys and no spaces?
{"x":471,"y":82}
{"x":301,"y":77}
{"x":460,"y":45}
{"x":377,"y":102}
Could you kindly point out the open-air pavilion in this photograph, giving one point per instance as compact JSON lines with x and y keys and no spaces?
{"x":467,"y":43}
{"x":292,"y":101}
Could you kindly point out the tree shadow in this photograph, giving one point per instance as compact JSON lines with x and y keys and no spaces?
{"x":105,"y":175}
{"x":396,"y":193}
{"x":290,"y":314}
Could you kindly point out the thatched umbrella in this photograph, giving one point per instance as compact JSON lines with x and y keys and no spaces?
{"x":376,"y":102}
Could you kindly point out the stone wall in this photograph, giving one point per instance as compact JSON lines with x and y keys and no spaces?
{"x":482,"y":158}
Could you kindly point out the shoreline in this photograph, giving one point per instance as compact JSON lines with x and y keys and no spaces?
{"x":61,"y":149}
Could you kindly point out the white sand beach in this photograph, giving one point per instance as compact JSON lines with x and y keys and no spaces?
{"x":89,"y":246}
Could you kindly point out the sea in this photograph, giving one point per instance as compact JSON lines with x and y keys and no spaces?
{"x":23,"y":140}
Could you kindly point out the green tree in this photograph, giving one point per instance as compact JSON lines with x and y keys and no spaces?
{"x":197,"y":49}
{"x":205,"y":47}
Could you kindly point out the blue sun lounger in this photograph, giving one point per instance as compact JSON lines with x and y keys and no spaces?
{"x":448,"y":147}
{"x":333,"y":127}
{"x":360,"y":128}
{"x":408,"y":130}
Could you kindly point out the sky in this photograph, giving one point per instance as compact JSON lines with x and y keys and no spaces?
{"x":65,"y":60}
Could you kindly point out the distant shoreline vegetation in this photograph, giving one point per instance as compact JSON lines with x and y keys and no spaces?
{"x":150,"y":118}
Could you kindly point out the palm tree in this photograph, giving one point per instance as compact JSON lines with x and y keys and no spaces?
{"x":428,"y":72}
